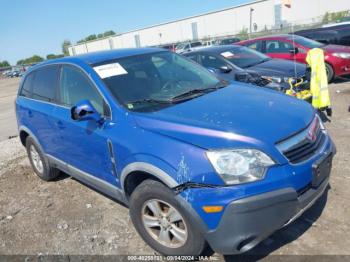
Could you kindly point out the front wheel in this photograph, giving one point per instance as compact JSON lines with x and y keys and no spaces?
{"x":162,"y":222}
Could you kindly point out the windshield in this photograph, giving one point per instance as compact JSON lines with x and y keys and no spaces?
{"x":244,"y":57}
{"x":307,"y":42}
{"x":153,"y":81}
{"x":181,"y":46}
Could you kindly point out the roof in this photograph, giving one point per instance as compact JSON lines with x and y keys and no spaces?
{"x":270,"y":36}
{"x":102,"y":56}
{"x":213,"y":49}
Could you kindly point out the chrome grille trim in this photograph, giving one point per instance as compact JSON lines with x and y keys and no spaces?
{"x":301,"y":146}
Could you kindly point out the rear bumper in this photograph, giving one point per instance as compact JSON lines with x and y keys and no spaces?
{"x":248,"y":221}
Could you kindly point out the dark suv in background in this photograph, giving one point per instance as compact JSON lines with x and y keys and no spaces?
{"x":337,"y":35}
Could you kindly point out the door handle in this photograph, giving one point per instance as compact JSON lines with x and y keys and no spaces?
{"x":30,"y":113}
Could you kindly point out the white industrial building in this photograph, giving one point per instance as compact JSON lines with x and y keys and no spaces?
{"x":265,"y":14}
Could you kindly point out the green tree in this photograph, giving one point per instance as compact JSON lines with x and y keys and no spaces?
{"x":326,"y":18}
{"x":91,"y":37}
{"x":108,"y":33}
{"x":30,"y":60}
{"x":4,"y":63}
{"x":98,"y":36}
{"x":243,"y":34}
{"x":66,"y":43}
{"x":53,"y":56}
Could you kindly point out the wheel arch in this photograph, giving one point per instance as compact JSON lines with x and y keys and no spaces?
{"x":135,"y":173}
{"x":24,"y":132}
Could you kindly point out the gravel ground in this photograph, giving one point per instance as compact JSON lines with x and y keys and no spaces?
{"x":66,"y":218}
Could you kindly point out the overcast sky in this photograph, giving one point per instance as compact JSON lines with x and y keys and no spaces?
{"x":40,"y":26}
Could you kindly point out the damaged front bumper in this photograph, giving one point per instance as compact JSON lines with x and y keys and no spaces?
{"x":248,"y":221}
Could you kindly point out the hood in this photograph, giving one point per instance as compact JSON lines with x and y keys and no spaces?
{"x":279,"y":67}
{"x":336,"y":48}
{"x":234,"y":116}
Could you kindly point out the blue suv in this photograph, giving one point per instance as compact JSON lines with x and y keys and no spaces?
{"x":201,"y":163}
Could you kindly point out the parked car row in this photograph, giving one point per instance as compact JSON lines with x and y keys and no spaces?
{"x":13,"y":73}
{"x":191,"y":46}
{"x":295,"y":48}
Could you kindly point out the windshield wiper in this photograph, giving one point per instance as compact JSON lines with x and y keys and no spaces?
{"x":199,"y":91}
{"x":150,"y":101}
{"x":257,"y":63}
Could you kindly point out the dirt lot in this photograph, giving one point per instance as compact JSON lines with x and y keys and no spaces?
{"x":65,"y":217}
{"x":8,"y":91}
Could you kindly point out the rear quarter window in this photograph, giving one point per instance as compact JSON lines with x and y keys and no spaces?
{"x":44,"y":84}
{"x":26,"y":89}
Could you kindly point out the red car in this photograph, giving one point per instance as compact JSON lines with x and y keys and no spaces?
{"x":337,"y":57}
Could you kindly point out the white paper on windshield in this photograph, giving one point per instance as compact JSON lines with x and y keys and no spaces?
{"x":109,"y":70}
{"x":227,"y":54}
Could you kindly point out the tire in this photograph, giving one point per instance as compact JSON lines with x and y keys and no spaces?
{"x":330,"y":72}
{"x":143,"y":197}
{"x":35,"y":155}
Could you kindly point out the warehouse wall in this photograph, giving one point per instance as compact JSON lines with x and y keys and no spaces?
{"x":221,"y":23}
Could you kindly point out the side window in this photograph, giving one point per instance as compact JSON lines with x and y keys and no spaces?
{"x":275,"y":46}
{"x":75,"y":87}
{"x":27,"y":86}
{"x":209,"y":61}
{"x":256,"y":46}
{"x":192,"y":57}
{"x":44,"y":84}
{"x":325,"y":37}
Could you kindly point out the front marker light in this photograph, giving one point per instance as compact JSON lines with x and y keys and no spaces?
{"x":240,"y":165}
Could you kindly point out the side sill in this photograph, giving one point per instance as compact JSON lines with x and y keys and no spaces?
{"x":97,"y":183}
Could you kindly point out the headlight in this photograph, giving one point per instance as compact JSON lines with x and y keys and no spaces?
{"x":274,"y":79}
{"x":342,"y":55}
{"x":240,"y":165}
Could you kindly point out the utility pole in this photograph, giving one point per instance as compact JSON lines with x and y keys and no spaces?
{"x":251,"y":22}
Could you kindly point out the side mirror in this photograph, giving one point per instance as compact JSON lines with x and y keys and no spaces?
{"x":212,"y":70}
{"x":294,"y":50}
{"x":225,"y":69}
{"x":84,"y":110}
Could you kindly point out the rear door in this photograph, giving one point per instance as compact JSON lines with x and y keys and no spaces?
{"x":284,"y":50}
{"x":85,"y":144}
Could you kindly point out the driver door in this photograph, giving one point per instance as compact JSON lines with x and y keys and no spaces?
{"x":84,"y":144}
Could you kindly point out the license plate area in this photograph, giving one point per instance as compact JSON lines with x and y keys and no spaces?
{"x":321,"y":170}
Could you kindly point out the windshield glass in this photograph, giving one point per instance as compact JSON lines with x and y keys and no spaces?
{"x":181,"y":46}
{"x":153,"y":81}
{"x":307,"y":42}
{"x":244,"y":57}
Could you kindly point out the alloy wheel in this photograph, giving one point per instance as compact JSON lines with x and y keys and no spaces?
{"x":164,"y":223}
{"x":36,"y":159}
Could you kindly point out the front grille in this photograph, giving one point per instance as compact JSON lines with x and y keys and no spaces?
{"x":304,"y":145}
